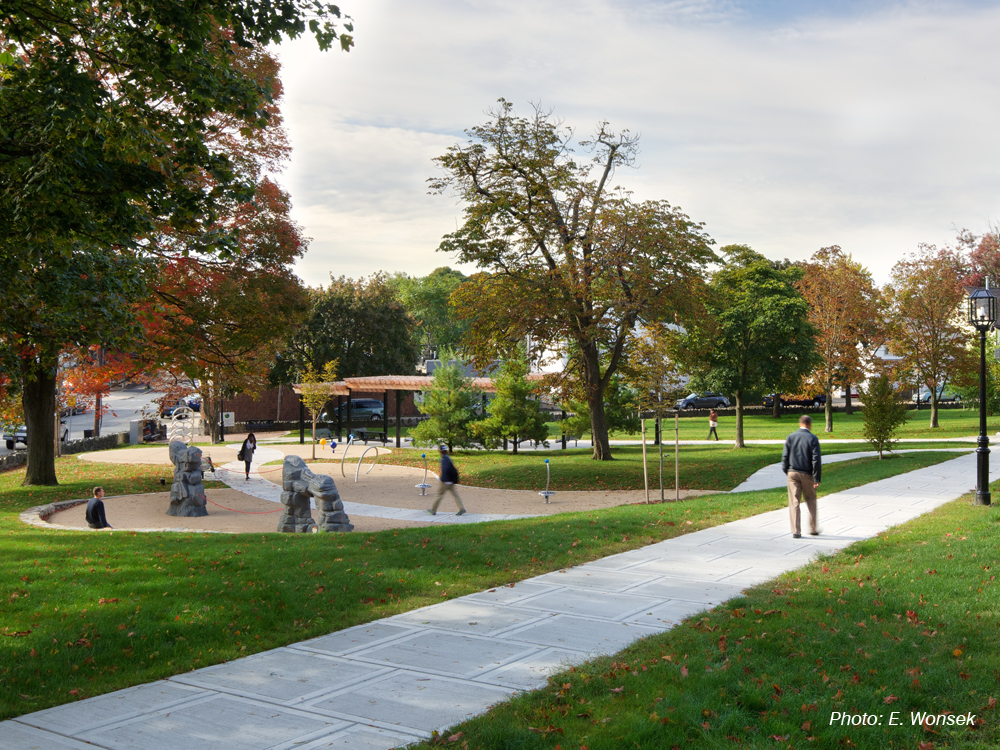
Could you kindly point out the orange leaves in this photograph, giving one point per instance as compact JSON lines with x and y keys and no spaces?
{"x":891,"y":699}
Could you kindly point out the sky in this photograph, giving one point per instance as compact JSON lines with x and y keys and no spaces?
{"x":787,"y":126}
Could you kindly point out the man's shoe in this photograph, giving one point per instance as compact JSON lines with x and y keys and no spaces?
{"x":796,"y":536}
{"x":813,"y":533}
{"x":461,"y":512}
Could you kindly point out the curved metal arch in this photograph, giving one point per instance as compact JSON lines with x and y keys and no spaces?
{"x":358,"y":470}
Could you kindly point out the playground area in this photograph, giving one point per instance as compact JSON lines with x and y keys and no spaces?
{"x":377,"y":496}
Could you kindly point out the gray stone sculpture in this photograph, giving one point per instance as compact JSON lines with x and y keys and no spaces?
{"x":299,"y":484}
{"x":187,"y":493}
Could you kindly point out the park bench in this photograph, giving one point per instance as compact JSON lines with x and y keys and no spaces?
{"x":574,"y":438}
{"x":363,"y":433}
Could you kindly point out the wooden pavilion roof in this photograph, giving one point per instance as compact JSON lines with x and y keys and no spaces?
{"x":400,"y":383}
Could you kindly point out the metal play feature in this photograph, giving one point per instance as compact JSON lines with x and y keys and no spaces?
{"x":423,"y":486}
{"x":547,"y":493}
{"x":350,"y":442}
{"x":358,"y":470}
{"x":181,"y":425}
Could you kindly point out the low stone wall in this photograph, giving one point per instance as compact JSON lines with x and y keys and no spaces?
{"x":13,"y":460}
{"x":748,"y":410}
{"x":102,"y":443}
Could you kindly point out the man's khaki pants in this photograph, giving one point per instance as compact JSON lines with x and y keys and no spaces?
{"x":800,"y":487}
{"x":449,"y":487}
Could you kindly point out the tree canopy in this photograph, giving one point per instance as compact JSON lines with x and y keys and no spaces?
{"x":755,"y":333}
{"x":428,"y":300}
{"x":361,"y":324}
{"x":927,"y":327}
{"x":845,"y":307}
{"x":565,"y":258}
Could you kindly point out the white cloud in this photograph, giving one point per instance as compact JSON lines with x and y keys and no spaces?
{"x":872,"y":130}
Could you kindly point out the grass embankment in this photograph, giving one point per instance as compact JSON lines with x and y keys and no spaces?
{"x":703,"y":467}
{"x":954,"y":423}
{"x":89,"y":612}
{"x":896,"y":626}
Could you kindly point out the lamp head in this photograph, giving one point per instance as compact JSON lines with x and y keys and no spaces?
{"x":982,"y":309}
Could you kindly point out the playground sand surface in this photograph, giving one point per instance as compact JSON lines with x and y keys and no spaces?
{"x":146,"y":512}
{"x":384,"y":486}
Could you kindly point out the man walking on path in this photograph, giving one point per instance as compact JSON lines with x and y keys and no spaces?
{"x":449,"y":478}
{"x":801,"y":462}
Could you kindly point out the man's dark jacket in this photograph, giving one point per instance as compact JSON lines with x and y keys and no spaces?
{"x":802,"y":454}
{"x":449,"y":474}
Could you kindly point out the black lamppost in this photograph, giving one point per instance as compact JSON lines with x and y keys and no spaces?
{"x":982,"y":315}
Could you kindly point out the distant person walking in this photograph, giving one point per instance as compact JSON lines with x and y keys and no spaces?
{"x":801,"y":462}
{"x":713,"y":423}
{"x":95,"y":511}
{"x":449,"y":478}
{"x":246,"y":453}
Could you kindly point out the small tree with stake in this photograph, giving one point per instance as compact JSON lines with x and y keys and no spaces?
{"x":316,"y":392}
{"x":884,"y":413}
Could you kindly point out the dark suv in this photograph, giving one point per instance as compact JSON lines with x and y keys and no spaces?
{"x":816,"y":401}
{"x":703,"y":401}
{"x":362,"y":410}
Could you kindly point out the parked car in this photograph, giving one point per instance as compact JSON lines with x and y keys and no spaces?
{"x":703,"y":401}
{"x":20,"y":435}
{"x":943,"y":395}
{"x":816,"y":401}
{"x":362,"y":410}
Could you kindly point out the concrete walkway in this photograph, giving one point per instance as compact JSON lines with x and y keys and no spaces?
{"x":772,"y":477}
{"x":233,"y":474}
{"x":394,"y":681}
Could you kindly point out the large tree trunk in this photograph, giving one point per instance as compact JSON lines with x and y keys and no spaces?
{"x":211,"y":413}
{"x":934,"y":407}
{"x":38,"y":398}
{"x":829,"y":405}
{"x":739,"y":421}
{"x":595,"y":400}
{"x":776,"y":406}
{"x":848,"y":407}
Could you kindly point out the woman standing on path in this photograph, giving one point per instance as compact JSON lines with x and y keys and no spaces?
{"x":713,"y":422}
{"x":247,"y":451}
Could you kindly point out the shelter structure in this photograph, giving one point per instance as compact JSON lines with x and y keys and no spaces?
{"x":395,"y":385}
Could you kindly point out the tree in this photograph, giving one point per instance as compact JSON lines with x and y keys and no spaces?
{"x":513,"y":413}
{"x":451,"y":404}
{"x":360,"y":324}
{"x":105,"y":113}
{"x":316,"y":393}
{"x":79,"y":299}
{"x":844,"y":307}
{"x":884,"y":413}
{"x":926,"y":325}
{"x":428,"y":300}
{"x":755,"y":333}
{"x":566,"y":259}
{"x":105,"y":146}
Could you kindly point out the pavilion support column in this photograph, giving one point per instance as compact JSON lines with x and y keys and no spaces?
{"x":399,"y":417}
{"x":385,"y":414}
{"x":340,"y":422}
{"x":350,"y":419}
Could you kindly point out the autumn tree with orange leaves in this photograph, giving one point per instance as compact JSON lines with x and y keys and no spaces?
{"x":927,"y":326}
{"x":844,"y":307}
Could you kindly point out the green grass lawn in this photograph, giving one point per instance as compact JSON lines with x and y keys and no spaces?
{"x":703,"y":467}
{"x":899,"y":625}
{"x":757,"y":426}
{"x":89,"y":612}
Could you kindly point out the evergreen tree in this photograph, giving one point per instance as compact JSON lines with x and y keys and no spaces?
{"x":884,"y":413}
{"x":451,"y":405}
{"x":513,"y":413}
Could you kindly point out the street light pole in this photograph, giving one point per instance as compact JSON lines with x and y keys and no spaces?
{"x":983,"y":449}
{"x":982,"y":316}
